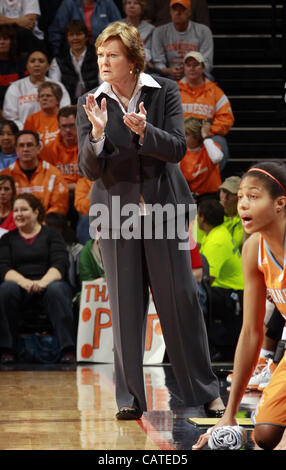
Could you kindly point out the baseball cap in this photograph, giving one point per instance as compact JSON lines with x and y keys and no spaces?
{"x":184,"y":3}
{"x":196,"y":55}
{"x":231,"y":184}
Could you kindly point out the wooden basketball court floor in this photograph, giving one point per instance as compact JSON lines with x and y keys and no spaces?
{"x":56,"y":407}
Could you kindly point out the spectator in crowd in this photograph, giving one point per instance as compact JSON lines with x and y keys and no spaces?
{"x":134,"y":11}
{"x":37,"y":176}
{"x":7,"y":195}
{"x":96,"y":14}
{"x":158,"y":12}
{"x":171,"y":41}
{"x":228,"y":199}
{"x":77,"y":69}
{"x":12,"y":64}
{"x":90,"y":262}
{"x":34,"y":264}
{"x":21,"y":98}
{"x":226,"y":277}
{"x":202,"y":98}
{"x":8,"y":133}
{"x":23,"y":14}
{"x":63,"y":152}
{"x":200,"y":165}
{"x":45,"y":121}
{"x":82,"y":205}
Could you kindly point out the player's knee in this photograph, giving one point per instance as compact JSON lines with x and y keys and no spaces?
{"x":267,"y":436}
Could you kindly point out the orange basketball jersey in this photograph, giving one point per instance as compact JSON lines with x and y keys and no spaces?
{"x":274,"y":275}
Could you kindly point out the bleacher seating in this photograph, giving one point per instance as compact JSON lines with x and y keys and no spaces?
{"x":249,"y":65}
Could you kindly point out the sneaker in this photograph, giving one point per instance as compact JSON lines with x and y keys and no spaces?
{"x":263,"y":377}
{"x":262,"y":362}
{"x":263,"y":385}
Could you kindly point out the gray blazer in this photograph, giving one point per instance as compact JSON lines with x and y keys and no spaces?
{"x":126,"y":169}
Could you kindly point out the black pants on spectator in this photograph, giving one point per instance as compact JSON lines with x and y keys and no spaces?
{"x":226,"y":321}
{"x":57,"y":304}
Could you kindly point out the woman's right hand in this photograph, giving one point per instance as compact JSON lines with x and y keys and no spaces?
{"x":26,"y":284}
{"x":96,"y":115}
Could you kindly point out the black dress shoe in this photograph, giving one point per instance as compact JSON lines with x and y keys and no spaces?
{"x":129,"y":413}
{"x":213,"y":413}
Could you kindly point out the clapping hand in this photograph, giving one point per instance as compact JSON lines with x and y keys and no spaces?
{"x":136,"y":121}
{"x":96,"y":115}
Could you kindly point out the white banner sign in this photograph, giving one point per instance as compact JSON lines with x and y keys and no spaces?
{"x":95,"y":337}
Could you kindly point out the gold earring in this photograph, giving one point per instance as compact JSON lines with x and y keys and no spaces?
{"x":131,"y":71}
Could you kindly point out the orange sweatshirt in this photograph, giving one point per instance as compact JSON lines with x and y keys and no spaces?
{"x":207,"y":101}
{"x":202,"y":175}
{"x":81,"y":195}
{"x":63,"y":157}
{"x":46,"y":183}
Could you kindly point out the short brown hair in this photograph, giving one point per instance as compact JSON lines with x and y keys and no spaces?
{"x":35,"y":204}
{"x":131,"y":40}
{"x":66,"y":111}
{"x":77,"y":26}
{"x":142,"y":3}
{"x":56,"y":89}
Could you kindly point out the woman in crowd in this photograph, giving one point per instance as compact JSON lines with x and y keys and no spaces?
{"x":77,"y":69}
{"x":34,"y":263}
{"x":262,"y":208}
{"x":7,"y":195}
{"x":21,"y":98}
{"x":8,"y":132}
{"x":134,"y":11}
{"x":202,"y":98}
{"x":45,"y":122}
{"x":131,"y":138}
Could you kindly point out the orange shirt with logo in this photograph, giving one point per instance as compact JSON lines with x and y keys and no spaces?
{"x":46,"y":126}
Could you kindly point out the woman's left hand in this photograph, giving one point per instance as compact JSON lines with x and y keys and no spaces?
{"x":136,"y":121}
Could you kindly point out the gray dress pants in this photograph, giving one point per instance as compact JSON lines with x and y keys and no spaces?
{"x":131,"y":266}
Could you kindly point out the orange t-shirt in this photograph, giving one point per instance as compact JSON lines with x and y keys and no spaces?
{"x":202,"y":175}
{"x":46,"y":126}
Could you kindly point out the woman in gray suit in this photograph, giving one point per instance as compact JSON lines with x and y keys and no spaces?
{"x":131,"y":138}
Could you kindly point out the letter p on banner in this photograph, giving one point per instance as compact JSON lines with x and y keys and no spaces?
{"x":95,"y":336}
